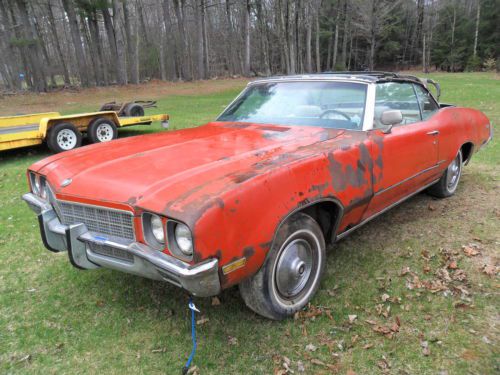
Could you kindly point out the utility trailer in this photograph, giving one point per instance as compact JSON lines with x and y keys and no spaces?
{"x":63,"y":133}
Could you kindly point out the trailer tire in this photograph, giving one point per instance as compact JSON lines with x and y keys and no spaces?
{"x":102,"y":130}
{"x":63,"y":137}
{"x":134,"y":110}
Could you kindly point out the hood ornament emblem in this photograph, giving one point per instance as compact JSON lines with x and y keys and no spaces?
{"x":66,"y":182}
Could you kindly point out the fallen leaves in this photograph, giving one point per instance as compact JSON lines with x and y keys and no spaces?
{"x":231,"y":340}
{"x":311,"y":348}
{"x":426,"y":351}
{"x":202,"y":320}
{"x":489,"y":269}
{"x":471,"y":250}
{"x":387,"y":331}
{"x":215,"y":301}
{"x":352,"y":318}
{"x":312,"y":312}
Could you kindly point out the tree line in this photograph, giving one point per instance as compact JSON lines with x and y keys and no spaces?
{"x":49,"y":43}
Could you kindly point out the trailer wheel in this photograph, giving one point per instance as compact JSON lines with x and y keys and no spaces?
{"x":134,"y":110}
{"x":64,"y":137}
{"x":102,"y":130}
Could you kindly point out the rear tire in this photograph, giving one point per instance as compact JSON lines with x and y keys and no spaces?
{"x":448,"y":183}
{"x":134,"y":110}
{"x":102,"y":130}
{"x":63,"y":137}
{"x":291,"y":273}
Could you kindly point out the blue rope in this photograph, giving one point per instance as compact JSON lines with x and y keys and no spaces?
{"x":193,"y":337}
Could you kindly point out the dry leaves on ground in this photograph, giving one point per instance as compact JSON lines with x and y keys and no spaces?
{"x":471,"y":250}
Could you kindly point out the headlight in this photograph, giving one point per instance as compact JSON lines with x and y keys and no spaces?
{"x":38,"y":185}
{"x":157,"y":228}
{"x":183,"y":239}
{"x":154,"y":234}
{"x":35,"y":183}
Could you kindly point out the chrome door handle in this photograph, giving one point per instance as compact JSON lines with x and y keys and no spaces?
{"x":434,"y":132}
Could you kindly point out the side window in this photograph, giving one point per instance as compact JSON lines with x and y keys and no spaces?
{"x":395,"y":95}
{"x":427,"y":104}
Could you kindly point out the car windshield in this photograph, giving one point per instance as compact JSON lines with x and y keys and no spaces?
{"x":339,"y":105}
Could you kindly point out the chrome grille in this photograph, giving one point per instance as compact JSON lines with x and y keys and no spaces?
{"x":98,"y":219}
{"x":112,"y":252}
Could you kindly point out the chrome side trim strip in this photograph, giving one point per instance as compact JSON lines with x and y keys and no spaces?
{"x":347,"y":232}
{"x":409,"y":178}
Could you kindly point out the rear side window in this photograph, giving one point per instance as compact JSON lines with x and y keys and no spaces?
{"x":400,"y":96}
{"x":428,"y":105}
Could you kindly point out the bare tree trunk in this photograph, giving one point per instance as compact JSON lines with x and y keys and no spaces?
{"x":476,"y":31}
{"x":97,"y":42}
{"x":373,"y":35}
{"x":318,"y":55}
{"x":57,"y":43}
{"x":247,"y":38}
{"x":33,"y":55}
{"x":108,"y":24}
{"x":452,"y":46}
{"x":121,"y":50}
{"x":169,"y":36}
{"x":69,"y":8}
{"x":291,"y":43}
{"x":336,"y":39}
{"x":200,"y":56}
{"x":345,"y":34}
{"x":132,"y":43}
{"x":308,"y":37}
{"x":424,"y":62}
{"x":43,"y":47}
{"x":229,"y":41}
{"x":205,"y":40}
{"x":185,"y":63}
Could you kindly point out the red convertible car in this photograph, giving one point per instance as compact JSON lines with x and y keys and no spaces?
{"x":292,"y":165}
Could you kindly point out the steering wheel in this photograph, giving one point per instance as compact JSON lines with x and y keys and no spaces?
{"x":335,"y":111}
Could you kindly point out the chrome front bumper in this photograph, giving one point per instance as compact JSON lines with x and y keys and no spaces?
{"x":200,"y":280}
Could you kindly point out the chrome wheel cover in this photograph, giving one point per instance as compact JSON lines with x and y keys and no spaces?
{"x":294,"y":268}
{"x":66,"y":139}
{"x":453,"y":173}
{"x":104,"y":132}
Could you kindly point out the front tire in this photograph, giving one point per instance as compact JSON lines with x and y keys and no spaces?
{"x":292,"y":271}
{"x":64,"y":137}
{"x":448,"y":183}
{"x":102,"y":130}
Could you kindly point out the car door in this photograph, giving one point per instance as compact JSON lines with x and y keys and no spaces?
{"x":406,"y":157}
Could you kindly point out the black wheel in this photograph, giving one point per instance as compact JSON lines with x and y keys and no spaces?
{"x":64,"y":137}
{"x":448,"y":183}
{"x":291,"y":273}
{"x":102,"y":130}
{"x":134,"y":110}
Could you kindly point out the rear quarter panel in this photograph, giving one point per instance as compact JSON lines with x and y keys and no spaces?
{"x":458,"y":126}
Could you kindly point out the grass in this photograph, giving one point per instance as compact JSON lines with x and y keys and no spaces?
{"x":56,"y":319}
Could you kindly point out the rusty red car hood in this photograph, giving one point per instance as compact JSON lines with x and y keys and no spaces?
{"x":155,"y":171}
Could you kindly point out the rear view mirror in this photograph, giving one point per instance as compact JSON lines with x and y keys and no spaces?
{"x":391,"y":118}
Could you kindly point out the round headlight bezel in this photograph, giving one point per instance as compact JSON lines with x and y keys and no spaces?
{"x":152,"y":223}
{"x":157,"y":229}
{"x":35,"y":183}
{"x":175,"y":244}
{"x":183,"y":239}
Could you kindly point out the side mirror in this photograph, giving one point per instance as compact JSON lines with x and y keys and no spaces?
{"x":391,"y":118}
